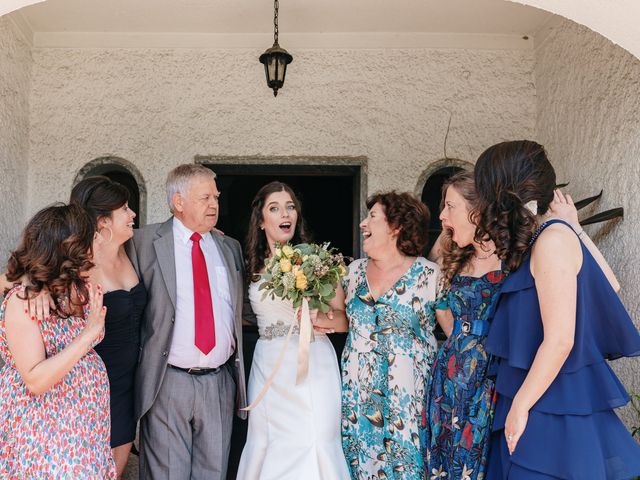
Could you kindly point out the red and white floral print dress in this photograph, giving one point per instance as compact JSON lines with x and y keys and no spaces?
{"x":63,"y":433}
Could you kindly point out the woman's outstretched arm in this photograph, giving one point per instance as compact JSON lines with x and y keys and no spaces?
{"x":563,"y":208}
{"x":555,"y":263}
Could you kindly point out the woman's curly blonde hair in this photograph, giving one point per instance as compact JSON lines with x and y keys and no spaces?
{"x":453,"y":258}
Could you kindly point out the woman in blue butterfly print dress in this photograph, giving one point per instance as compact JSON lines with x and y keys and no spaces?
{"x":460,"y":402}
{"x":390,"y":347}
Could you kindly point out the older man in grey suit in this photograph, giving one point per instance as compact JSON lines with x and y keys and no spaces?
{"x":191,"y":371}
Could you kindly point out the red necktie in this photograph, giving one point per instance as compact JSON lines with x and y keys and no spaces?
{"x":205,"y":338}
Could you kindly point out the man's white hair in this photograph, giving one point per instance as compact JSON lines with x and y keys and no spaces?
{"x":179,"y":179}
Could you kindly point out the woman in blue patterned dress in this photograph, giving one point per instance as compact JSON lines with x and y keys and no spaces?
{"x":390,"y":347}
{"x":460,"y":402}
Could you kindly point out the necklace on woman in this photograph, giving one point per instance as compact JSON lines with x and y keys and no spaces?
{"x":478,"y":257}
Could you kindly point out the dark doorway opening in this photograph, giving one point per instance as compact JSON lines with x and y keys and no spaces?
{"x":330,"y":198}
{"x":431,"y":197}
{"x":120,"y":175}
{"x":127,"y":180}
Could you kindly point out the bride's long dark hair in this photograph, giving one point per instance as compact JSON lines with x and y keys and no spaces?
{"x":256,"y":246}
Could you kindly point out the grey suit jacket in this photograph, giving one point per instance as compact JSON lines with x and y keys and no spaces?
{"x":152,"y":253}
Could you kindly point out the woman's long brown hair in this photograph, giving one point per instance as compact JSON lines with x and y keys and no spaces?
{"x":99,"y":195}
{"x":55,"y":249}
{"x":454,"y":258}
{"x":508,"y":175}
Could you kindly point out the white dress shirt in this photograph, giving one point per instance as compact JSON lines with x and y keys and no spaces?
{"x":183,"y":352}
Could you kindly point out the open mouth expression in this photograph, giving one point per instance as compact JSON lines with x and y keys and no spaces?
{"x":279,"y":217}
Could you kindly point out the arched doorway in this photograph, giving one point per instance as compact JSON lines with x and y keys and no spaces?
{"x":125,"y":173}
{"x":431,"y":196}
{"x":429,"y":189}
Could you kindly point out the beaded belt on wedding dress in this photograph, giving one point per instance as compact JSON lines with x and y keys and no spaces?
{"x":278,"y":329}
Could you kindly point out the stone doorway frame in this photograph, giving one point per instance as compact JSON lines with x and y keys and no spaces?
{"x":312,"y":164}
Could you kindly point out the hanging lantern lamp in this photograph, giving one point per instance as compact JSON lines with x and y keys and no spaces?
{"x":275,"y":59}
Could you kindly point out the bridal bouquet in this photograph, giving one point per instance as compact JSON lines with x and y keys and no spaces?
{"x":308,"y":275}
{"x":302,"y":272}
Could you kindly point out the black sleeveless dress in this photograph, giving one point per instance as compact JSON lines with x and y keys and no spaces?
{"x":119,"y":351}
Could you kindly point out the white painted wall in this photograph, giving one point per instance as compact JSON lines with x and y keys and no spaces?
{"x":9,"y":6}
{"x":616,"y":20}
{"x":158,"y":108}
{"x":588,"y":117}
{"x":15,"y":78}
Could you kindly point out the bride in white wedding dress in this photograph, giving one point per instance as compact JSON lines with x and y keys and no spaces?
{"x":294,"y":430}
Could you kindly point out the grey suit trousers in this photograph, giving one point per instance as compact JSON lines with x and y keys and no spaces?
{"x":186,"y":435}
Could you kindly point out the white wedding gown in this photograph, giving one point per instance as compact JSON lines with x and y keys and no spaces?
{"x":294,"y":432}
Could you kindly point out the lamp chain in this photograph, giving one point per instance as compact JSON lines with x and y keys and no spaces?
{"x":276,"y":5}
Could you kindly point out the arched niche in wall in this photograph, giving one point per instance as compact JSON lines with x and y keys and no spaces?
{"x":124,"y":172}
{"x":429,"y":189}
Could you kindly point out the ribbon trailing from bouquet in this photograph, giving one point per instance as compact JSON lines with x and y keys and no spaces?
{"x":302,"y":370}
{"x":306,"y":337}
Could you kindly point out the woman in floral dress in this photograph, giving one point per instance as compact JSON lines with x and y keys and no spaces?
{"x":461,"y":402}
{"x":54,"y":417}
{"x":390,"y":346}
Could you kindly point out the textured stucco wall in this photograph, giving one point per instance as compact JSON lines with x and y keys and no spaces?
{"x":589,"y":119}
{"x":158,"y":108}
{"x":617,"y":21}
{"x":15,"y":71}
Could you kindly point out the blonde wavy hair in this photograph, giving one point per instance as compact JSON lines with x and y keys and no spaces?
{"x":453,"y":258}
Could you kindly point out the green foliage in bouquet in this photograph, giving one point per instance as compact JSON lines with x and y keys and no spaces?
{"x":307,"y":270}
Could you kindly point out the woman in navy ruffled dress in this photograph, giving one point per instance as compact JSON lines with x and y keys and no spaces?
{"x":557,"y":322}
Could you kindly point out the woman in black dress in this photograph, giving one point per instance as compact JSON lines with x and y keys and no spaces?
{"x":125,"y":298}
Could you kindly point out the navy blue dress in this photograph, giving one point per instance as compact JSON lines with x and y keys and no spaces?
{"x":572,"y":431}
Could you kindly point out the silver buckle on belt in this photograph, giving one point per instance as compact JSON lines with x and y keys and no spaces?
{"x":466,"y":327}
